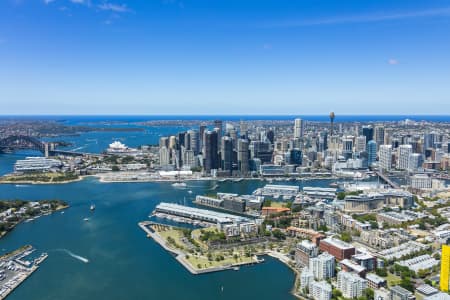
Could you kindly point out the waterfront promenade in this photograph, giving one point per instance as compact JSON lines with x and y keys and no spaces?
{"x":180,"y":256}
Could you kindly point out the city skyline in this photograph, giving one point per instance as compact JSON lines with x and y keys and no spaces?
{"x":66,"y":57}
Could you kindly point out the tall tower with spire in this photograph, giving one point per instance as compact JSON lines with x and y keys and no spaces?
{"x":332,"y":121}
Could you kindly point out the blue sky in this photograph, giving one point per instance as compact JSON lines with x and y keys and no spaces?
{"x":224,"y":57}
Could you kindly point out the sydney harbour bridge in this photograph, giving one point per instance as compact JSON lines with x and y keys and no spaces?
{"x":22,"y":142}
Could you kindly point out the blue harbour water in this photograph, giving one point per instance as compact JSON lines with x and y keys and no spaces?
{"x":123,"y":263}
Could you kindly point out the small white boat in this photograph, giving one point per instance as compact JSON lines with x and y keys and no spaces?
{"x":179,"y":184}
{"x":86,"y":219}
{"x":92,"y":208}
{"x":190,"y":192}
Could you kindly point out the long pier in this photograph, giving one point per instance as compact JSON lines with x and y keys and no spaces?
{"x":387,"y":180}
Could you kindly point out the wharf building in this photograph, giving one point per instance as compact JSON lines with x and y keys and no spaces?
{"x":37,"y":164}
{"x":339,"y":249}
{"x":231,"y":202}
{"x":204,"y":215}
{"x":320,"y":193}
{"x":286,"y":191}
{"x":351,"y":285}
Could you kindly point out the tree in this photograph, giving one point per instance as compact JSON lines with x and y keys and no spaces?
{"x":346,"y":237}
{"x":115,"y":168}
{"x":336,"y":294}
{"x":341,"y":195}
{"x":369,"y":293}
{"x":323,"y":228}
{"x":422,"y":273}
{"x":381,"y":272}
{"x":278,"y":234}
{"x":407,"y":284}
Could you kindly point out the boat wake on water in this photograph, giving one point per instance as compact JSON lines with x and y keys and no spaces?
{"x":80,"y":258}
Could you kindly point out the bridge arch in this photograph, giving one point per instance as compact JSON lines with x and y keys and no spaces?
{"x":19,"y":142}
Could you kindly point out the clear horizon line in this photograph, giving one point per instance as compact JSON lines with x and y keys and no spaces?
{"x":229,"y":114}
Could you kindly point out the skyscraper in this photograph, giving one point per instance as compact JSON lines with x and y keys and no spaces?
{"x":360,"y":144}
{"x":347,"y":147}
{"x":243,"y":130}
{"x":270,"y":136}
{"x":218,"y":124}
{"x":202,"y":131}
{"x":445,"y":268}
{"x":194,"y":141}
{"x":367,"y":131}
{"x":371,"y":152}
{"x":210,"y":157}
{"x":243,"y":156}
{"x":226,"y":153}
{"x":379,"y":135}
{"x":403,"y":156}
{"x":299,"y":125}
{"x":385,"y":160}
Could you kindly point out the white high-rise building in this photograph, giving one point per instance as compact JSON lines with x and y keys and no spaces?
{"x":360,"y":144}
{"x":320,"y":290}
{"x":164,"y":156}
{"x":189,"y":160}
{"x":347,"y":146}
{"x":403,"y":156}
{"x":379,"y":135}
{"x":322,"y":266}
{"x":385,"y":156}
{"x":299,"y":127}
{"x":306,"y":278}
{"x":351,"y":284}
